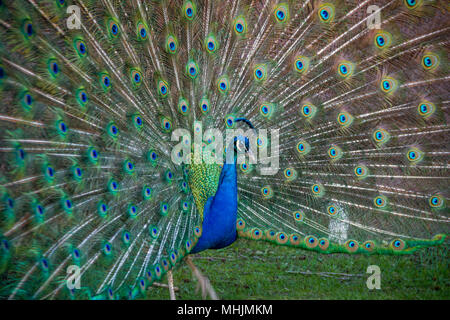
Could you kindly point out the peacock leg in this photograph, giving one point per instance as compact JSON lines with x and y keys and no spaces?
{"x":203,"y":282}
{"x":170,"y":281}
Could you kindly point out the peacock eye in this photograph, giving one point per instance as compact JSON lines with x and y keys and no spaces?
{"x":163,"y":88}
{"x":380,"y":40}
{"x":44,"y":263}
{"x":28,"y":100}
{"x":223,"y":84}
{"x":308,"y":110}
{"x":80,"y":47}
{"x":345,"y":69}
{"x":62,"y":127}
{"x":53,"y":68}
{"x":437,"y":201}
{"x":67,"y":205}
{"x":50,"y":171}
{"x":172,"y":44}
{"x":192,"y":68}
{"x":414,"y":155}
{"x":430,"y":61}
{"x":260,"y":73}
{"x":10,"y":203}
{"x":381,"y":136}
{"x":27,"y":28}
{"x":267,"y":192}
{"x":326,"y":12}
{"x":141,"y":31}
{"x":189,"y":10}
{"x":380,"y":201}
{"x":332,"y":210}
{"x":205,"y":105}
{"x":21,"y":154}
{"x":78,"y":172}
{"x":413,"y":4}
{"x":301,"y":64}
{"x":5,"y":245}
{"x":264,"y":109}
{"x":183,"y":106}
{"x":211,"y":43}
{"x":335,"y":153}
{"x":383,"y":39}
{"x":166,"y":124}
{"x":281,"y":13}
{"x":389,"y":85}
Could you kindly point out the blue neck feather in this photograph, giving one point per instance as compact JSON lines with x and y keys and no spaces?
{"x":220,"y":213}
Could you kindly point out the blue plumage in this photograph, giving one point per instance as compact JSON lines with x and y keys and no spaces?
{"x":220,"y":213}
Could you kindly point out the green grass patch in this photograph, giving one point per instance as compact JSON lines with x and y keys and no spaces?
{"x":260,"y":270}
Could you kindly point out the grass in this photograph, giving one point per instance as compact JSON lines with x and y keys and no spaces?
{"x":260,"y":270}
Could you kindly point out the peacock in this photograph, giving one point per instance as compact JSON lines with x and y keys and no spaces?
{"x":135,"y":133}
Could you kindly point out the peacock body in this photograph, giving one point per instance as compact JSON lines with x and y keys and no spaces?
{"x":93,"y":92}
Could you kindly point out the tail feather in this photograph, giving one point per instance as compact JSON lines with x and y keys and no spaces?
{"x":88,"y":173}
